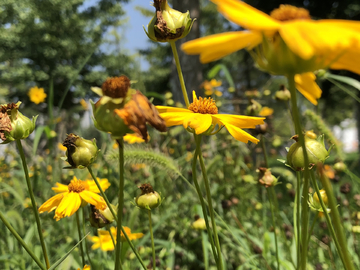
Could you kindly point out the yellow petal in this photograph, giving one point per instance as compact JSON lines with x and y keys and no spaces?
{"x":165,"y":109}
{"x":60,"y":188}
{"x":135,"y":236}
{"x":347,"y":62}
{"x":217,"y":46}
{"x":104,"y":183}
{"x":51,"y":204}
{"x":93,"y":199}
{"x":199,"y":122}
{"x":176,"y":118}
{"x":240,"y":121}
{"x":246,"y":16}
{"x":307,"y":86}
{"x":68,"y":205}
{"x":240,"y":134}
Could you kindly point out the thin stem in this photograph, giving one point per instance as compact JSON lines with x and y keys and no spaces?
{"x":152,"y":240}
{"x":264,"y":151}
{"x":33,"y":203}
{"x":327,"y":216}
{"x":202,"y":201}
{"x":181,"y":78}
{"x":304,"y":205}
{"x":297,"y":223}
{"x":80,"y":237}
{"x":313,"y":225}
{"x":22,"y":242}
{"x":206,"y":263}
{"x":84,"y":232}
{"x":274,"y":225}
{"x":211,"y":209}
{"x":120,"y":202}
{"x":115,"y":218}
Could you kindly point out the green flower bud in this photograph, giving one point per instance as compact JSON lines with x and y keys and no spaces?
{"x":254,"y":108}
{"x":314,"y":201}
{"x":13,"y":124}
{"x":340,"y":166}
{"x":282,"y":94}
{"x":168,"y":24}
{"x":101,"y":218}
{"x":315,"y":149}
{"x":80,"y":152}
{"x":148,"y":199}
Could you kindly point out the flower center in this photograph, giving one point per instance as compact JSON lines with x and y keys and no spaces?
{"x":116,"y":87}
{"x":77,"y":186}
{"x":289,"y":13}
{"x":203,"y":106}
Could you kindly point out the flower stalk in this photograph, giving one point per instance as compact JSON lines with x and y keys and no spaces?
{"x":33,"y":202}
{"x":80,"y":237}
{"x":274,"y":226}
{"x":152,"y":240}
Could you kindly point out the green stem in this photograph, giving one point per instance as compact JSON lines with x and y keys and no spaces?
{"x":33,"y":203}
{"x":264,"y":151}
{"x":304,"y":205}
{"x":152,"y":240}
{"x":313,"y":225}
{"x":84,"y":232}
{"x":297,"y":223}
{"x":80,"y":237}
{"x":274,"y":225}
{"x":206,"y":263}
{"x":115,"y":218}
{"x":211,"y":209}
{"x":328,"y":220}
{"x":22,"y":242}
{"x":202,"y":201}
{"x":181,"y":78}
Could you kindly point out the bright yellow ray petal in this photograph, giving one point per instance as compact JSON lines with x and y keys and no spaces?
{"x":52,"y":203}
{"x":164,"y":109}
{"x":134,"y":236}
{"x":104,"y":183}
{"x":60,"y":188}
{"x":240,"y":121}
{"x":93,"y":199}
{"x":216,"y":46}
{"x":199,"y":122}
{"x":176,"y":118}
{"x":349,"y":61}
{"x":240,"y":134}
{"x":307,"y":86}
{"x":68,"y":206}
{"x":246,"y":16}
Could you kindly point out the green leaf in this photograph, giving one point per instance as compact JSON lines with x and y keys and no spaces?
{"x":349,"y":81}
{"x":216,"y":69}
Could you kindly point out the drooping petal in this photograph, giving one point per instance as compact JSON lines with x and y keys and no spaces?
{"x":60,"y":188}
{"x":104,"y":183}
{"x":216,"y":46}
{"x":93,"y":199}
{"x":199,"y":122}
{"x":52,"y":203}
{"x":348,"y":61}
{"x":246,"y":16}
{"x":240,"y":121}
{"x":176,"y":118}
{"x":240,"y":134}
{"x":166,"y":109}
{"x":68,"y":205}
{"x":307,"y":86}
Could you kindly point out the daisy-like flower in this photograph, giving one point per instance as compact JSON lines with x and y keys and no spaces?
{"x":105,"y":242}
{"x":71,"y":197}
{"x":202,"y":116}
{"x":287,"y":42}
{"x":209,"y":87}
{"x":266,"y":111}
{"x":37,"y":95}
{"x":86,"y":267}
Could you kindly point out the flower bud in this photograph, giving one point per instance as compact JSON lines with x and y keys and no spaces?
{"x":80,"y":152}
{"x":314,"y":201}
{"x":282,"y":94}
{"x":340,"y":166}
{"x":199,"y":223}
{"x":266,"y":178}
{"x":254,"y":108}
{"x":168,"y":24}
{"x":316,"y":153}
{"x":101,"y":218}
{"x":148,"y":199}
{"x":13,"y":124}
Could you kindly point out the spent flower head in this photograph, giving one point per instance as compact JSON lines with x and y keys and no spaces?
{"x":148,"y":199}
{"x":266,"y":178}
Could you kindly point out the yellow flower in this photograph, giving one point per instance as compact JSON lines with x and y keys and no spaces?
{"x":202,"y":115}
{"x":61,"y":147}
{"x":86,"y":267}
{"x":286,"y":42}
{"x":132,"y":138}
{"x":37,"y":95}
{"x":105,"y":242}
{"x":71,"y":196}
{"x":266,"y":111}
{"x":209,"y":87}
{"x":84,"y":104}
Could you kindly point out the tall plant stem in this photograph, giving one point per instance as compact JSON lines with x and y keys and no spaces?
{"x":304,"y":205}
{"x":152,"y":240}
{"x":115,"y":217}
{"x":274,"y":225}
{"x":84,"y":232}
{"x":202,"y":201}
{"x":297,"y":222}
{"x":22,"y":242}
{"x":178,"y":68}
{"x":328,"y":220}
{"x":263,"y":146}
{"x":33,"y":202}
{"x":211,"y":209}
{"x":80,"y":237}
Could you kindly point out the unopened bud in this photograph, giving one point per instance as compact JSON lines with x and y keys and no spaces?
{"x":148,"y":199}
{"x":101,"y":218}
{"x":283,"y":94}
{"x":314,"y":201}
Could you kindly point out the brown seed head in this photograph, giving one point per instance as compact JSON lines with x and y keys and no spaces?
{"x":116,"y":87}
{"x":289,"y":13}
{"x":146,"y":189}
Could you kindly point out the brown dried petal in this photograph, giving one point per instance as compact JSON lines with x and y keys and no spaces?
{"x":5,"y":125}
